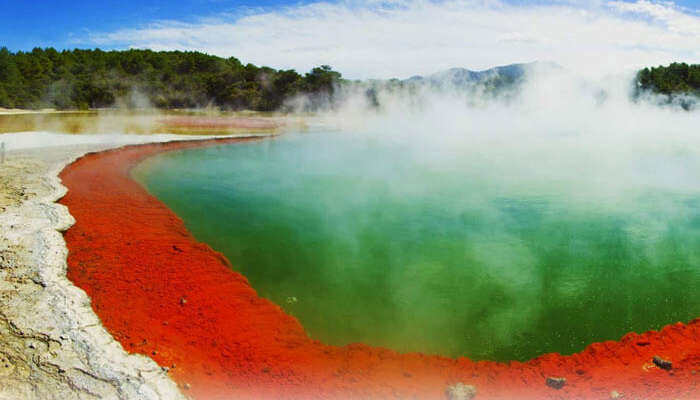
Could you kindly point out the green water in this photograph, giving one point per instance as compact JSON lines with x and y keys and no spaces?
{"x":486,"y":251}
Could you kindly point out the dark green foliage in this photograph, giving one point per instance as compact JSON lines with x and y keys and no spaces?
{"x":675,"y":79}
{"x":678,"y":83}
{"x":95,"y":79}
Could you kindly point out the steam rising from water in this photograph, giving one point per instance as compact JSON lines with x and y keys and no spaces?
{"x":590,"y":137}
{"x":495,"y":229}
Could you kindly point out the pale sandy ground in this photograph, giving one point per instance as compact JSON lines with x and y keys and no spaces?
{"x":11,"y":111}
{"x":52,"y":345}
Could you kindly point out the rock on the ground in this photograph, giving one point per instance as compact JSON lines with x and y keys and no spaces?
{"x":555,"y":382}
{"x":460,"y":391}
{"x":662,"y":363}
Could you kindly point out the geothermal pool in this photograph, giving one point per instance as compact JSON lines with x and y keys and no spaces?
{"x":488,"y":250}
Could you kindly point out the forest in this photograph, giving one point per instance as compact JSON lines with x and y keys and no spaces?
{"x":677,"y":78}
{"x":92,"y":79}
{"x":89,"y":79}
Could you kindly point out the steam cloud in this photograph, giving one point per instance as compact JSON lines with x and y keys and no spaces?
{"x":586,"y":143}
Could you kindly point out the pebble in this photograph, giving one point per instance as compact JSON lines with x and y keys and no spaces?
{"x":460,"y":391}
{"x":663,"y":364}
{"x":556,"y":383}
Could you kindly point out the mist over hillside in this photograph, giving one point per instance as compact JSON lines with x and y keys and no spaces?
{"x":502,"y":83}
{"x":464,"y":78}
{"x":91,"y":79}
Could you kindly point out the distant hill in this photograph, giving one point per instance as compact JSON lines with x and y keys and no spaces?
{"x":497,"y":76}
{"x":501,"y":82}
{"x":462,"y":76}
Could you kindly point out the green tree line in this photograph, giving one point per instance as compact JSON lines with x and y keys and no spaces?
{"x":83,"y":79}
{"x":677,"y":78}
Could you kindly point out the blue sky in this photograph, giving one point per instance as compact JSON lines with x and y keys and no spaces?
{"x":63,"y":23}
{"x":371,"y":38}
{"x":25,"y":24}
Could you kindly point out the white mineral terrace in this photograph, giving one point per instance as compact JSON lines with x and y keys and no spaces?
{"x":52,"y":345}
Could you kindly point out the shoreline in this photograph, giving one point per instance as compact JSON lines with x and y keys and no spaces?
{"x":191,"y":310}
{"x":23,"y":111}
{"x":146,"y":122}
{"x":52,"y":345}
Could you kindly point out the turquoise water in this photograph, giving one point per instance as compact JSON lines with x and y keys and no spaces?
{"x":488,"y":251}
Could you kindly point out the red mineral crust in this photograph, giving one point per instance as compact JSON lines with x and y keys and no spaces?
{"x":163,"y":294}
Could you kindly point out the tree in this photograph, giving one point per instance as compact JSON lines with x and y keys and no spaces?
{"x":170,"y":79}
{"x":322,"y":79}
{"x":676,"y":78}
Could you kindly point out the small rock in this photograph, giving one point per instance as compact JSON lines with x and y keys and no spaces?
{"x":615,"y":395}
{"x":663,"y":364}
{"x":460,"y":391}
{"x":555,"y":382}
{"x":183,"y":301}
{"x":165,"y":369}
{"x":186,"y":386}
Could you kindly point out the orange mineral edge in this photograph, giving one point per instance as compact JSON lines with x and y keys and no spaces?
{"x":163,"y":294}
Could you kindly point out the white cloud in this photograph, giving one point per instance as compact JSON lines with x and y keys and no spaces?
{"x":667,"y":14}
{"x":400,"y":38}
